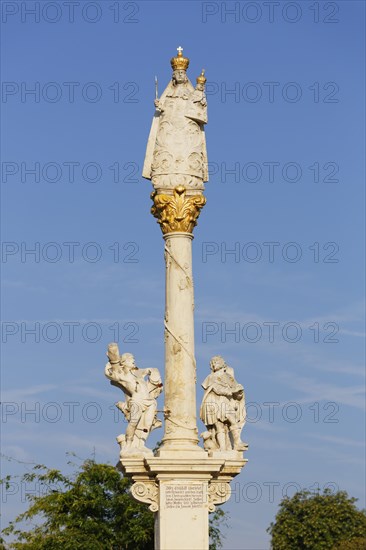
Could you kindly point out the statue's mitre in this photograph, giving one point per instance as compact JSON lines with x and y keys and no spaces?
{"x":179,"y":62}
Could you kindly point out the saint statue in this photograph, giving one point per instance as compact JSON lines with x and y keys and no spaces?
{"x":176,"y":150}
{"x":140,"y":407}
{"x":223,"y":408}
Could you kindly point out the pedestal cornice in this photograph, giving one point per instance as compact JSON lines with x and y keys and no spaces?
{"x":148,"y":474}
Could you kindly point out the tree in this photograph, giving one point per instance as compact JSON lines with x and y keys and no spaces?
{"x":354,"y":544}
{"x":328,"y":521}
{"x":91,"y":509}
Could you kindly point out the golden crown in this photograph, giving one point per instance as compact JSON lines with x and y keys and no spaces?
{"x":179,"y":62}
{"x":201,"y":79}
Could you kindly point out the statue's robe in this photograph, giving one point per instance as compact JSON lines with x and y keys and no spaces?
{"x":176,"y":150}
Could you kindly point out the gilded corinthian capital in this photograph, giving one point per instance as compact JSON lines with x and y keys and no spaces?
{"x":177,"y":213}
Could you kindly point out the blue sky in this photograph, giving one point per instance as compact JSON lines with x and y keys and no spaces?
{"x":285,"y":194}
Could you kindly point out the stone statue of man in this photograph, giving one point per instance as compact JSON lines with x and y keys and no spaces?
{"x":223,"y":408}
{"x":176,"y":150}
{"x":140,"y":406}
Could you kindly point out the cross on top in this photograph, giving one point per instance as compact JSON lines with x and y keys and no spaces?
{"x":179,"y":50}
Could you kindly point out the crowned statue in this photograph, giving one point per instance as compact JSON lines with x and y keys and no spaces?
{"x":176,"y":151}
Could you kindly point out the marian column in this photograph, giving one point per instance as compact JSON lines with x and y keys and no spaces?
{"x":176,"y":163}
{"x":183,"y":481}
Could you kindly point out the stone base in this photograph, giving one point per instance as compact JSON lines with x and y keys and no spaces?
{"x":172,"y":453}
{"x":227,"y":455}
{"x":182,"y":491}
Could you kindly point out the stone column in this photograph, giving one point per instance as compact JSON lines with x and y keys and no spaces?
{"x":180,"y":364}
{"x":183,"y":482}
{"x":177,"y":214}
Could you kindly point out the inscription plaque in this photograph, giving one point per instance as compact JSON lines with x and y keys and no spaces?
{"x":184,"y":496}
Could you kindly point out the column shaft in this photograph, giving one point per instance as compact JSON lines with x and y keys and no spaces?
{"x":180,"y":364}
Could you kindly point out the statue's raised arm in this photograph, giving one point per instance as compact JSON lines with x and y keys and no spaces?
{"x":141,"y":388}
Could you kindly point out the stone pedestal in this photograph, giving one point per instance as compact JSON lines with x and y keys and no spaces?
{"x":182,"y":503}
{"x":181,"y":492}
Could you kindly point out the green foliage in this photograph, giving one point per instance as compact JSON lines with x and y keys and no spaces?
{"x":218,"y":519}
{"x":90,"y":510}
{"x":358,"y":543}
{"x":316,"y":522}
